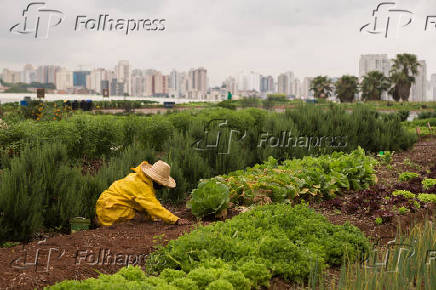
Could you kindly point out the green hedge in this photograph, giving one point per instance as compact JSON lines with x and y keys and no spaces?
{"x":123,"y":142}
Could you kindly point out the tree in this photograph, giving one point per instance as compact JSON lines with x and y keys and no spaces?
{"x":373,"y":85}
{"x":347,"y":87}
{"x":321,"y":87}
{"x":403,"y":73}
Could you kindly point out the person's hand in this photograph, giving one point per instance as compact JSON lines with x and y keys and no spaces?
{"x":182,"y":222}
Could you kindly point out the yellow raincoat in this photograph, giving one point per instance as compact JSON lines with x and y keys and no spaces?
{"x":125,"y":197}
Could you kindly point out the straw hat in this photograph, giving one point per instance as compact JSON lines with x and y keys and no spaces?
{"x":159,"y":172}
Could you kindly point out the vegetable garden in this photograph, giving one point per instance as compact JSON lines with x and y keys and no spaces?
{"x":263,"y":191}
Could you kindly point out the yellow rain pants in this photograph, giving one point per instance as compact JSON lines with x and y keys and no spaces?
{"x":125,"y":197}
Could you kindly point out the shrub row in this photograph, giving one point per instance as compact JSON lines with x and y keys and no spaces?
{"x":42,"y":189}
{"x":182,"y":139}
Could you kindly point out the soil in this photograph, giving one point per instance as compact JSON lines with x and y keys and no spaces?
{"x":361,"y":208}
{"x":85,"y":254}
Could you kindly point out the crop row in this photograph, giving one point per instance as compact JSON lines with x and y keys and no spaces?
{"x":244,"y":252}
{"x":310,"y":177}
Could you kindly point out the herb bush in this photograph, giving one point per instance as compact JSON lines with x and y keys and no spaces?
{"x":42,"y":189}
{"x":39,"y":190}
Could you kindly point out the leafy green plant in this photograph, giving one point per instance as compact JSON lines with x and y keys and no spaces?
{"x":210,"y":197}
{"x":272,"y":240}
{"x":386,"y":158}
{"x":425,"y":197}
{"x":428,"y":183}
{"x":134,"y":278}
{"x":406,"y":176}
{"x":411,"y":164}
{"x":378,"y":221}
{"x":320,"y":177}
{"x":9,"y":244}
{"x":405,"y":193}
{"x":403,"y":210}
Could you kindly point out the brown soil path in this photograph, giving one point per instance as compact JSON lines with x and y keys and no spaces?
{"x":84,"y":254}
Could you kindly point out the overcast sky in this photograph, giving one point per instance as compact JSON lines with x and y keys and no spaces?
{"x":308,"y":37}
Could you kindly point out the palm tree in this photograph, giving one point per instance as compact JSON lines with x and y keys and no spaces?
{"x":321,"y":86}
{"x":403,"y":73}
{"x":373,"y":85}
{"x":347,"y":87}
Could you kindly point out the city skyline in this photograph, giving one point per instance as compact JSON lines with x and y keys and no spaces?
{"x":126,"y":79}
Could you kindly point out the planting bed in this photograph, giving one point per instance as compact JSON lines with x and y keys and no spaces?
{"x":362,"y":207}
{"x":137,"y":238}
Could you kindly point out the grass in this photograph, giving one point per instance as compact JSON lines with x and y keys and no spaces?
{"x":406,"y":262}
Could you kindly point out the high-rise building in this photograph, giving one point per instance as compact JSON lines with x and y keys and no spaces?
{"x":79,"y":78}
{"x":306,"y":91}
{"x":297,"y":88}
{"x":419,"y":87}
{"x":433,"y":87}
{"x":374,"y":62}
{"x":160,"y":84}
{"x":137,"y":83}
{"x":286,"y":83}
{"x":46,"y":74}
{"x":123,"y":75}
{"x":28,"y":75}
{"x":64,"y":79}
{"x":95,"y":78}
{"x":266,"y":84}
{"x":117,"y":88}
{"x":231,"y":85}
{"x":283,"y":84}
{"x":156,"y":84}
{"x":9,"y":76}
{"x":178,"y":83}
{"x":198,"y":83}
{"x":105,"y":85}
{"x":248,"y":81}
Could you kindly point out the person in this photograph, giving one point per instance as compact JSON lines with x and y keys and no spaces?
{"x":135,"y":195}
